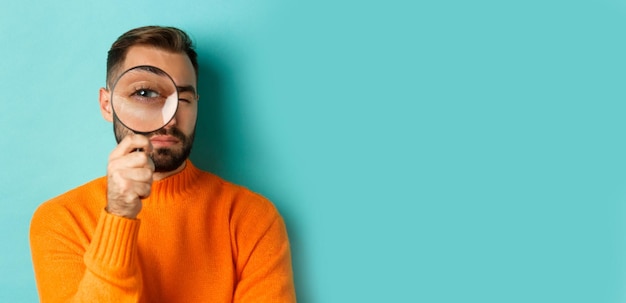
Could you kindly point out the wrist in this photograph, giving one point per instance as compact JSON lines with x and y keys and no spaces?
{"x":129,"y":214}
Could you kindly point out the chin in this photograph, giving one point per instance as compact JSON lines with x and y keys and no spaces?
{"x":166,"y":159}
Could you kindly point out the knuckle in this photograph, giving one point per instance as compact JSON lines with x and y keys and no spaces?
{"x":143,"y":157}
{"x":122,"y":186}
{"x":147,"y":189}
{"x":139,"y":139}
{"x":146,"y":174}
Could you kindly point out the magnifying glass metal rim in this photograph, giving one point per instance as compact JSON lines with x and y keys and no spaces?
{"x":149,"y":68}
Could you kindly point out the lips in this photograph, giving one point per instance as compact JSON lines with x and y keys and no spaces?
{"x":159,"y":141}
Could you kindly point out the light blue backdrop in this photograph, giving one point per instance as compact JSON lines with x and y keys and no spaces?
{"x":420,"y":151}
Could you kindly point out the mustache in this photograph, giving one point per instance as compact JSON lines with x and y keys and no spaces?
{"x":172,"y":131}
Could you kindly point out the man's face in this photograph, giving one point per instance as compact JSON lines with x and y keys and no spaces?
{"x":172,"y":144}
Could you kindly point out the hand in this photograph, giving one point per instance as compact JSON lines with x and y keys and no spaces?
{"x":129,"y":176}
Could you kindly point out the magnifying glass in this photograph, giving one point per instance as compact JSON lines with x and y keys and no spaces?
{"x":144,"y":99}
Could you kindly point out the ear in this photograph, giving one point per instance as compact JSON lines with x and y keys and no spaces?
{"x":105,"y":104}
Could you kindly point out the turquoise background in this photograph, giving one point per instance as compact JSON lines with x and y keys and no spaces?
{"x":420,"y":151}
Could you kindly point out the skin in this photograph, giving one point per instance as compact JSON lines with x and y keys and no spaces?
{"x":130,"y":173}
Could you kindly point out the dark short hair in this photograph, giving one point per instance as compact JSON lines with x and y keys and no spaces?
{"x":162,"y":37}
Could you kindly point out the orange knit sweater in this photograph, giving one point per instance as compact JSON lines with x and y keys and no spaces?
{"x":198,"y":238}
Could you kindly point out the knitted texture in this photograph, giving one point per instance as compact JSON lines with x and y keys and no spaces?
{"x":198,"y":238}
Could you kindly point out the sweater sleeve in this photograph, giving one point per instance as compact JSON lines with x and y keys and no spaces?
{"x":73,"y":266}
{"x":263,"y":257}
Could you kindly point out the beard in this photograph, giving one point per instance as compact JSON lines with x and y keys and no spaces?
{"x":165,"y":159}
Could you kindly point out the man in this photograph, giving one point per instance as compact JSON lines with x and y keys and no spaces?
{"x":156,"y":228}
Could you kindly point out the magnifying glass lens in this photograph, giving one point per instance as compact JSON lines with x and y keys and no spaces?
{"x":144,"y":99}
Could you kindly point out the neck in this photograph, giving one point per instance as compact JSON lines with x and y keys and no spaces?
{"x":162,"y":175}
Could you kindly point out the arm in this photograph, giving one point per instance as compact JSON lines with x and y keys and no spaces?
{"x":70,"y":269}
{"x":76,"y":263}
{"x":263,"y":258}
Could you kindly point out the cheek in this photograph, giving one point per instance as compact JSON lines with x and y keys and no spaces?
{"x":186,"y":117}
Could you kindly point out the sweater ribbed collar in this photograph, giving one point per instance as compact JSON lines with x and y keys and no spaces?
{"x":175,"y":185}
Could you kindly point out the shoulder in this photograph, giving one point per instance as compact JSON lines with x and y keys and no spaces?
{"x":82,"y":202}
{"x":84,"y":194}
{"x":242,"y":202}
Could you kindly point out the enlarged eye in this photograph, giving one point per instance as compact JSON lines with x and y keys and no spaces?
{"x":146,"y":93}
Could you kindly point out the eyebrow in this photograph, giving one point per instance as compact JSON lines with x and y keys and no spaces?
{"x":157,"y":71}
{"x":151,"y":69}
{"x":187,"y":88}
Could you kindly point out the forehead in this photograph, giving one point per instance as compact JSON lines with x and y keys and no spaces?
{"x":177,"y":65}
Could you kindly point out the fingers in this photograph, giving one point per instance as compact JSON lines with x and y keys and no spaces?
{"x":131,"y":143}
{"x":127,"y":187}
{"x":129,"y":176}
{"x":139,"y":159}
{"x":125,"y":178}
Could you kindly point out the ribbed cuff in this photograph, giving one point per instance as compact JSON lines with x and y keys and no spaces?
{"x":113,"y":248}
